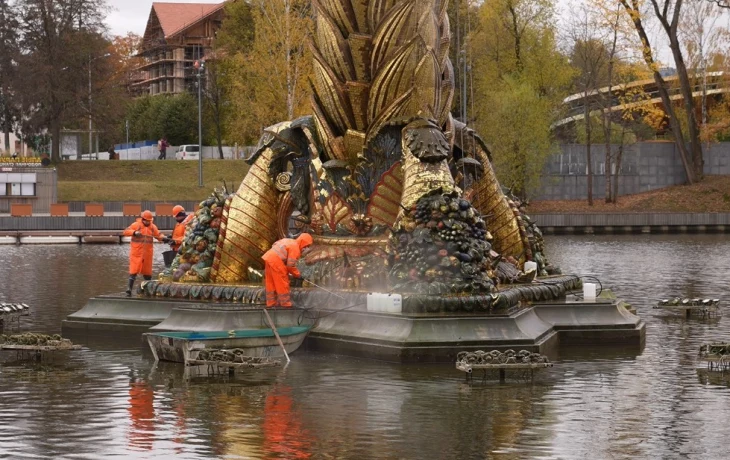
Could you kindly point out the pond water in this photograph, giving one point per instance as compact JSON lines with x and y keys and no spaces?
{"x":110,"y":399}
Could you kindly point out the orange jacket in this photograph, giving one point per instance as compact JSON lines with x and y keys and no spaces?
{"x":288,"y":251}
{"x":178,"y":234}
{"x":141,"y":250}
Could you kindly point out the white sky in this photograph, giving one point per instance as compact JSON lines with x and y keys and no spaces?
{"x":131,"y":15}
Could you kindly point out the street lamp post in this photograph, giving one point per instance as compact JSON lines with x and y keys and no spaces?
{"x":90,"y":123}
{"x":200,"y":65}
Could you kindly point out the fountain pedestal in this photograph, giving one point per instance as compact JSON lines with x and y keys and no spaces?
{"x":343,"y":325}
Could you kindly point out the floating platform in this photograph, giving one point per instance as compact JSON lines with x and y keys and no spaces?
{"x":703,"y":308}
{"x":523,"y":362}
{"x":716,"y":356}
{"x":10,"y":312}
{"x":422,"y":332}
{"x":214,"y":366}
{"x":39,"y":347}
{"x":247,"y":362}
{"x":35,"y":347}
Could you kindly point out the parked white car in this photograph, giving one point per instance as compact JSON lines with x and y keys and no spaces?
{"x":188,"y":152}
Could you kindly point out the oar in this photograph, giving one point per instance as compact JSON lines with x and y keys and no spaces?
{"x":276,"y":333}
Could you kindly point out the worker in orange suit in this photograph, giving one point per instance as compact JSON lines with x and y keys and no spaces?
{"x":281,"y":260}
{"x":143,"y":233}
{"x":178,"y":233}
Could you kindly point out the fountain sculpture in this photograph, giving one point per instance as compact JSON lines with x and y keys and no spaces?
{"x":399,"y":197}
{"x":397,"y":193}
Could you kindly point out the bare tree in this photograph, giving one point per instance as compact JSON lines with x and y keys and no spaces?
{"x":702,"y":37}
{"x":610,"y":19}
{"x":721,"y":3}
{"x":589,"y":57}
{"x":668,"y":15}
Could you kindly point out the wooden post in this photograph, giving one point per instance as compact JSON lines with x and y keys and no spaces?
{"x":276,"y":333}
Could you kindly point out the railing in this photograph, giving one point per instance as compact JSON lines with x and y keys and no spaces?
{"x":717,"y":83}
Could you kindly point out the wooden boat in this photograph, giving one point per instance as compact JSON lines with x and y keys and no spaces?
{"x":183,"y":347}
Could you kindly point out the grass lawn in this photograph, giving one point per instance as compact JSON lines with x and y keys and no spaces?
{"x":173,"y":180}
{"x":167,"y":180}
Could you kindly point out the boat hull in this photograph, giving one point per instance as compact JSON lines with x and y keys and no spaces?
{"x":182,"y":347}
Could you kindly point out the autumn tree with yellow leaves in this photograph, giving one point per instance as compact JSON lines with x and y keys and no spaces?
{"x":266,"y":71}
{"x":520,"y":79}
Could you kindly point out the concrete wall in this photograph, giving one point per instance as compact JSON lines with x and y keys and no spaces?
{"x":45,"y":190}
{"x":645,"y":166}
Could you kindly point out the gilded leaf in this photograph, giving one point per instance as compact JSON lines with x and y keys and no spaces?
{"x":335,"y":211}
{"x":385,"y":201}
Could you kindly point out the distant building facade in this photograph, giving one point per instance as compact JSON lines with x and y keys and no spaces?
{"x":17,"y":147}
{"x":177,"y":35}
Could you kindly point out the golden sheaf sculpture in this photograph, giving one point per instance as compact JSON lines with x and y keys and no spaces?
{"x":381,"y":138}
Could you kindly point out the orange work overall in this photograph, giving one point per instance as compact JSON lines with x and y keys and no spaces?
{"x":141,"y":249}
{"x":178,"y":234}
{"x":280,"y":260}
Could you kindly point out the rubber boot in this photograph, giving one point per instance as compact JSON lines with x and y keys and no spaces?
{"x":131,"y":285}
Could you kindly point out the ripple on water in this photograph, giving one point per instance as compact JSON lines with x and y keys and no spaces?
{"x":110,"y":399}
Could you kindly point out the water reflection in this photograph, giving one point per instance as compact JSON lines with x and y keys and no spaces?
{"x":284,"y":436}
{"x":111,"y":399}
{"x":141,"y":415}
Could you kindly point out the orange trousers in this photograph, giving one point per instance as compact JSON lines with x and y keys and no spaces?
{"x":278,"y":293}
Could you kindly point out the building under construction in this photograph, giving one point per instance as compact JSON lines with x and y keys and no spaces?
{"x":177,"y":35}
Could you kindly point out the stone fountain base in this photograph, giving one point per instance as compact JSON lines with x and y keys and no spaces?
{"x":535,"y":317}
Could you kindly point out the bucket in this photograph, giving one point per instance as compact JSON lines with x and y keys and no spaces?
{"x":168,"y":257}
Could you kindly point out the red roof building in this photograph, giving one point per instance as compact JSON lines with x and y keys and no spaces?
{"x":177,"y":35}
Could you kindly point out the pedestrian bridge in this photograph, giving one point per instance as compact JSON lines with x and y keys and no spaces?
{"x":637,"y":93}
